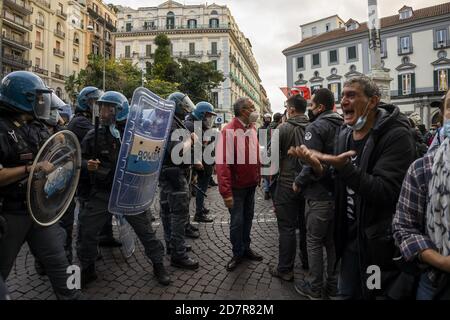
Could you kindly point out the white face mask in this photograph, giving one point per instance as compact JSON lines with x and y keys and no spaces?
{"x":361,"y":122}
{"x":253,"y":117}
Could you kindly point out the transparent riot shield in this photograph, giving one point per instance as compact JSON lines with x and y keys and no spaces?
{"x":54,"y":178}
{"x":141,"y":153}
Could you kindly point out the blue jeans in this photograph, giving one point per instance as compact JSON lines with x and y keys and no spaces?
{"x":425,"y":290}
{"x":241,"y":219}
{"x":266,"y":184}
{"x":349,"y":281}
{"x":202,"y":182}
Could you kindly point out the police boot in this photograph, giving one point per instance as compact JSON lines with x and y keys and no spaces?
{"x":191,"y":233}
{"x":186,"y":263}
{"x":161,"y":274}
{"x":202,"y":217}
{"x":88,"y":275}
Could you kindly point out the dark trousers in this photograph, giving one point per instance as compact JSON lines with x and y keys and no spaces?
{"x":241,"y":219}
{"x":3,"y":291}
{"x":66,"y":222}
{"x":203,"y":178}
{"x":46,"y":244}
{"x":92,"y":219}
{"x":290,"y":212}
{"x":174,"y":201}
{"x":349,"y":281}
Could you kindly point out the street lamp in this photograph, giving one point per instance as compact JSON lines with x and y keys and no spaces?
{"x":91,"y":29}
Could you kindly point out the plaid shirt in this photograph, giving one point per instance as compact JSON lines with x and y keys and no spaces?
{"x":409,"y":223}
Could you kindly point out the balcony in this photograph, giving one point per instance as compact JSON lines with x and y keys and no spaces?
{"x":16,"y":42}
{"x":403,"y":51}
{"x":172,"y":28}
{"x":101,"y":20}
{"x":193,"y":54}
{"x":75,"y":59}
{"x":43,"y":3}
{"x":214,"y":53}
{"x":441,"y":44}
{"x":40,"y":23}
{"x":16,"y":61}
{"x":60,"y":34}
{"x":16,"y":22}
{"x":39,"y":44}
{"x":19,"y":6}
{"x":58,"y":76}
{"x":58,"y":52}
{"x":61,"y":14}
{"x":36,"y":69}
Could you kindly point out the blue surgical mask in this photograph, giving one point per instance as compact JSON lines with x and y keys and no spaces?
{"x":114,"y":131}
{"x":361,"y":122}
{"x":447,"y":128}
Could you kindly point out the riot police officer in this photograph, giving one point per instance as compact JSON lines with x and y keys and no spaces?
{"x":204,"y":112}
{"x":23,"y":98}
{"x":99,"y":161}
{"x":174,"y":191}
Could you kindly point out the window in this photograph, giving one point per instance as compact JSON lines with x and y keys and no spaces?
{"x":405,"y":44}
{"x":300,"y":63}
{"x":58,"y":45}
{"x":128,"y":27}
{"x":335,"y":88}
{"x":315,"y":88}
{"x":214,"y":63}
{"x":38,"y":36}
{"x":38,"y":62}
{"x":57,"y":69}
{"x":214,"y":47}
{"x":328,"y":27}
{"x":95,"y":49}
{"x":314,"y":31}
{"x":441,"y":38}
{"x":351,"y":53}
{"x":333,"y":56}
{"x":148,"y":50}
{"x":170,"y":20}
{"x":58,"y":91}
{"x":214,"y":13}
{"x":127,"y":51}
{"x":406,"y":14}
{"x":215,"y":99}
{"x":61,"y":8}
{"x":58,"y":26}
{"x":383,"y":49}
{"x":192,"y":24}
{"x":192,"y":48}
{"x":316,"y":59}
{"x":128,"y":16}
{"x":406,"y":84}
{"x":214,"y":23}
{"x":40,"y":19}
{"x":443,"y":80}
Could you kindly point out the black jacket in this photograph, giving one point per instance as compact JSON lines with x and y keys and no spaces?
{"x":320,"y":135}
{"x":291,"y":134}
{"x":80,"y":125}
{"x":387,"y":155}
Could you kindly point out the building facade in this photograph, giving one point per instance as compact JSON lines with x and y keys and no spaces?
{"x":414,"y":47}
{"x":15,"y":29}
{"x":202,"y":33}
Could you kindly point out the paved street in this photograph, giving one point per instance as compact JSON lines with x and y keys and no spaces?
{"x":133,"y":278}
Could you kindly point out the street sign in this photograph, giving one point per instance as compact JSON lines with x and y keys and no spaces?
{"x":220,"y":119}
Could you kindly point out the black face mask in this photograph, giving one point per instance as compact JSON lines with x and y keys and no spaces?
{"x":266,"y":123}
{"x":312,"y":116}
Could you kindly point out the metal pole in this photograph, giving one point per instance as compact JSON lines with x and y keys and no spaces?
{"x":104,"y":54}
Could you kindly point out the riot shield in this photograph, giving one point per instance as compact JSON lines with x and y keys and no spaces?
{"x":126,"y":237}
{"x":54,"y":178}
{"x":141,"y":153}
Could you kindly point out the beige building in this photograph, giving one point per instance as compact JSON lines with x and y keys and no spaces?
{"x":15,"y":29}
{"x":201,"y":33}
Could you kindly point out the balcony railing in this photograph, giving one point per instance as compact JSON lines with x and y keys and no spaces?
{"x":402,"y":51}
{"x":16,"y":20}
{"x":20,"y":6}
{"x":58,"y":52}
{"x":39,"y":44}
{"x":16,"y":61}
{"x":61,"y":14}
{"x":76,"y":59}
{"x":101,"y":20}
{"x":187,"y":54}
{"x":58,"y":76}
{"x":40,"y":71}
{"x":16,"y":41}
{"x":441,"y":44}
{"x":40,"y":23}
{"x":166,"y":27}
{"x":60,"y":33}
{"x":43,"y":3}
{"x":214,"y":53}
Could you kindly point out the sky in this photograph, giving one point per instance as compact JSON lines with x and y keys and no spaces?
{"x":272,"y":26}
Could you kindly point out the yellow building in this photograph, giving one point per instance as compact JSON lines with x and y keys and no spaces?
{"x":15,"y":37}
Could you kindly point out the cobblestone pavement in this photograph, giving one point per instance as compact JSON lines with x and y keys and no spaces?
{"x":133,"y":278}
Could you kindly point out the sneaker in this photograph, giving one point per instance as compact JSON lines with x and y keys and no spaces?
{"x":286,"y":276}
{"x":304,"y":288}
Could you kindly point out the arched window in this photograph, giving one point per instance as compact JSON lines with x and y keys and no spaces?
{"x":58,"y":26}
{"x":192,"y":23}
{"x":58,"y":92}
{"x":214,"y":13}
{"x":170,"y":20}
{"x":76,"y":38}
{"x":214,"y":23}
{"x":40,"y":19}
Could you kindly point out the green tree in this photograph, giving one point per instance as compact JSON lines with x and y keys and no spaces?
{"x":164,"y":66}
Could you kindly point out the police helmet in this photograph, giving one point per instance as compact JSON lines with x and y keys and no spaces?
{"x":120,"y":102}
{"x":183,"y":104}
{"x":202,"y":109}
{"x":25,"y":92}
{"x":86,"y":94}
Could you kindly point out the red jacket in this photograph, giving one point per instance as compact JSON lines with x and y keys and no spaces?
{"x":237,"y":158}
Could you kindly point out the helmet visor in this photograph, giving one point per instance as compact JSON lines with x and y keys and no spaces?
{"x":57,"y":103}
{"x":107,"y":113}
{"x":42,"y":104}
{"x":187,"y":104}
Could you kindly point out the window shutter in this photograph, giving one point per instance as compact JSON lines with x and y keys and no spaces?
{"x":413,"y":83}
{"x":436,"y":80}
{"x":400,"y":89}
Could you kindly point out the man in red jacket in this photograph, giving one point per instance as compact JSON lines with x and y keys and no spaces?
{"x":238,"y":173}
